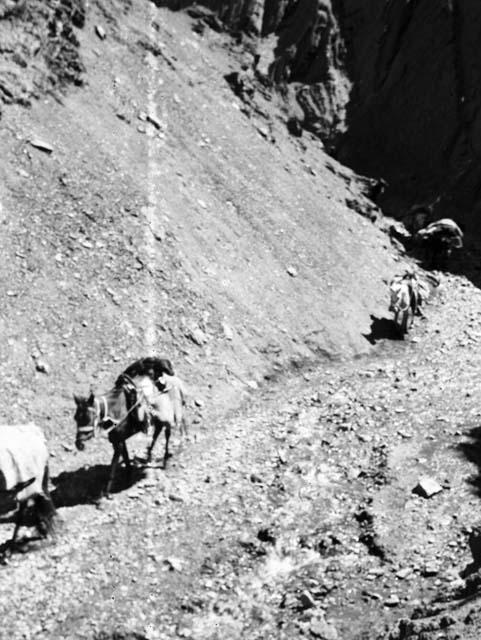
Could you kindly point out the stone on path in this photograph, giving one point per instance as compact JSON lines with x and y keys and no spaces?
{"x":427,"y":487}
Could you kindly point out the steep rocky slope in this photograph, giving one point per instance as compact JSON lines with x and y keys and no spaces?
{"x":148,"y":211}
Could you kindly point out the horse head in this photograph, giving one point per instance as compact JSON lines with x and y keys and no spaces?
{"x":86,"y":417}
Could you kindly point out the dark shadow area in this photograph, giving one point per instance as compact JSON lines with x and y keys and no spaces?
{"x":8,"y":506}
{"x":472,"y":452}
{"x":24,"y":544}
{"x":87,"y":484}
{"x":31,"y":541}
{"x":382,"y":329}
{"x":119,"y":635}
{"x":467,"y":262}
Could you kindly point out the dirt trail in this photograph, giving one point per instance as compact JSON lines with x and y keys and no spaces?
{"x":293,"y":516}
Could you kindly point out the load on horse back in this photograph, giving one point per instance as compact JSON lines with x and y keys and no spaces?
{"x":152,"y":366}
{"x":439,"y":239}
{"x":166,"y":399}
{"x":24,"y":476}
{"x":405,"y":300}
{"x":120,"y":413}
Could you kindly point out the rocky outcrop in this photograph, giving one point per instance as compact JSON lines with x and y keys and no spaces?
{"x":391,"y":87}
{"x":38,"y":47}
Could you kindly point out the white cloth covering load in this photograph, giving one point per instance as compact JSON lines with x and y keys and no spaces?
{"x":23,"y":460}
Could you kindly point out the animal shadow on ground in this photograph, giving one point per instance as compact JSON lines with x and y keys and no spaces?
{"x":86,"y":485}
{"x":382,"y":329}
{"x":472,"y":451}
{"x":120,"y":636}
{"x":24,"y":543}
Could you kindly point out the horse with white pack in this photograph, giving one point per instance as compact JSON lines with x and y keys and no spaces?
{"x":24,"y":475}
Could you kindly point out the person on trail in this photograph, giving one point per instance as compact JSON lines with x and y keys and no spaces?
{"x":439,"y":239}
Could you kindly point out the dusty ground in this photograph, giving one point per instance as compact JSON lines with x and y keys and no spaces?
{"x":292,"y":516}
{"x":216,"y":238}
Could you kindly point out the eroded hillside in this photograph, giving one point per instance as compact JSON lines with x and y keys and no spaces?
{"x":148,"y":211}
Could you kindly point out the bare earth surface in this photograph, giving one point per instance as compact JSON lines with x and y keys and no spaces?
{"x":293,"y":516}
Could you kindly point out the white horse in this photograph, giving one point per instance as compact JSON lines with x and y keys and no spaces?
{"x":165,"y":400}
{"x":24,"y":475}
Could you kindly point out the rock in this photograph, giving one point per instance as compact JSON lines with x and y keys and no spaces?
{"x":158,"y":230}
{"x":265,"y":535}
{"x":175,"y":497}
{"x":100,"y":31}
{"x":392,"y":601}
{"x":228,"y":333}
{"x":430,"y":569}
{"x":40,"y":144}
{"x":197,"y":336}
{"x":306,"y":600}
{"x":42,"y":367}
{"x":154,"y":120}
{"x":292,"y":271}
{"x":264,"y":131}
{"x":427,"y":487}
{"x":403,"y":573}
{"x":404,"y":434}
{"x":174,"y":564}
{"x":321,"y":628}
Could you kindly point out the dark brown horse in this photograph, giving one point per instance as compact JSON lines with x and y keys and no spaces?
{"x":120,"y":412}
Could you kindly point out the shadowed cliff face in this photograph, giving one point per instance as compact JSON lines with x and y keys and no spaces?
{"x":414,"y":109}
{"x":391,"y":87}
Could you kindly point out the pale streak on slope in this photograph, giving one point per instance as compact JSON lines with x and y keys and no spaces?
{"x":150,"y":332}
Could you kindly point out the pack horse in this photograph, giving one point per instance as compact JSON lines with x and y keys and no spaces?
{"x":24,"y":475}
{"x":120,"y":413}
{"x":129,"y":408}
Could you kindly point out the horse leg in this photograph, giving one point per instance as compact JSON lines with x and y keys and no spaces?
{"x":113,"y":469}
{"x":44,"y":514}
{"x":184,"y":427}
{"x":18,"y":523}
{"x":157,"y":429}
{"x":125,"y":456}
{"x":167,"y":438}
